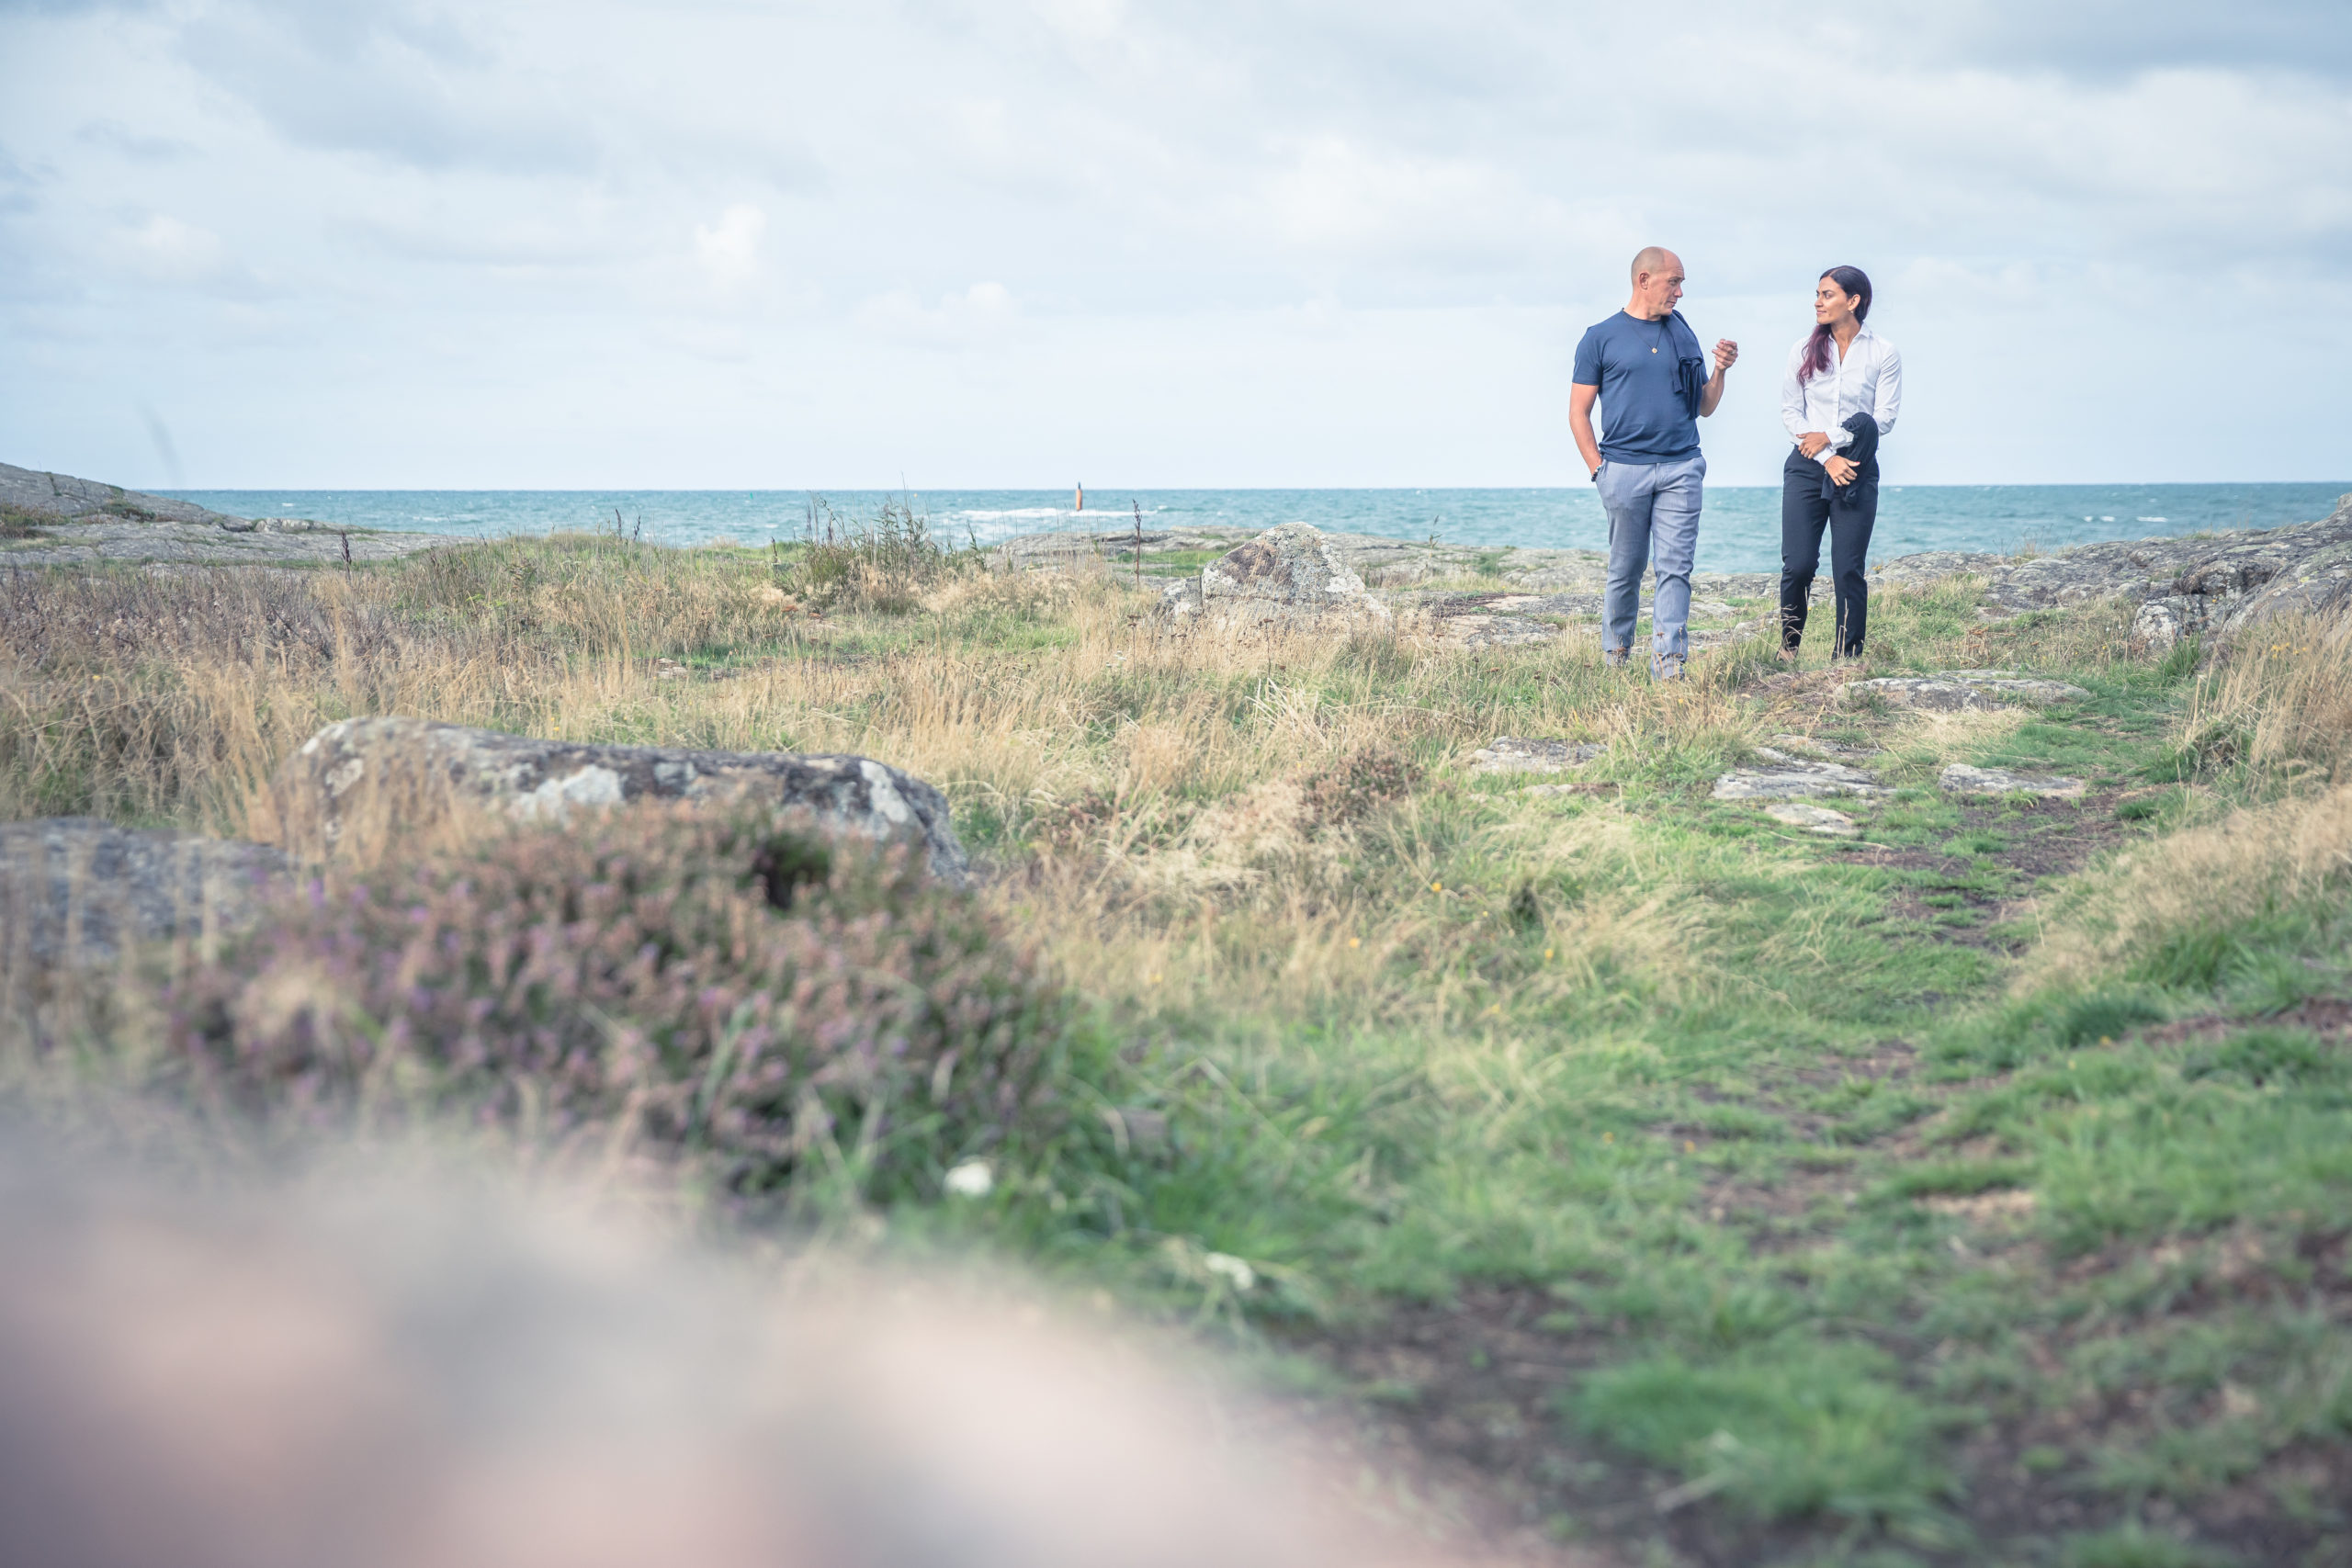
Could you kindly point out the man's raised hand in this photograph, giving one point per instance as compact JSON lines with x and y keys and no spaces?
{"x":1726,"y":355}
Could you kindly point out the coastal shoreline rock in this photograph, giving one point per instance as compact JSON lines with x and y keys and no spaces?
{"x":2188,"y":586}
{"x":71,"y":500}
{"x":359,"y":785}
{"x":2203,"y":585}
{"x":78,"y":522}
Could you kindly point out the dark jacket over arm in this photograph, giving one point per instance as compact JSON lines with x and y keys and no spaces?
{"x":1862,"y":452}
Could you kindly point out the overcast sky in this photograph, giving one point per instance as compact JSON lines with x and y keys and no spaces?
{"x":1226,"y":242}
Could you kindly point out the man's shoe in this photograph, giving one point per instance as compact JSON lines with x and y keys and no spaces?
{"x":1668,"y":668}
{"x":1615,"y":658}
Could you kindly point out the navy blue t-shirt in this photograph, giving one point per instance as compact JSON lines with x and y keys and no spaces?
{"x":1650,"y":375}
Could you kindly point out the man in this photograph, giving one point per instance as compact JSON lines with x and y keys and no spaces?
{"x":1646,"y":368}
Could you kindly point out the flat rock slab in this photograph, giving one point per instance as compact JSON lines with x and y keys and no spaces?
{"x":1511,"y":754}
{"x":365,"y":786}
{"x":74,"y":890}
{"x":1790,"y":778}
{"x":1962,"y":779}
{"x":1547,"y":790}
{"x":1813,"y":818}
{"x":1491,"y":631}
{"x":1835,"y":749}
{"x":1959,"y":691}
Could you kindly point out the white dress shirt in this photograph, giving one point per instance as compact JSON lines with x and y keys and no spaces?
{"x":1869,"y":380}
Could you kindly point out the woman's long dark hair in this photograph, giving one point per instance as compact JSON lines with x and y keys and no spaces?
{"x":1851,"y":280}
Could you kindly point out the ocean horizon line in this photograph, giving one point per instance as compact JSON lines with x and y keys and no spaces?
{"x":1738,"y":532}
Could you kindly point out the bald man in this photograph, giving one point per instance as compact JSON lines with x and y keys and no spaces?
{"x":1646,"y":370}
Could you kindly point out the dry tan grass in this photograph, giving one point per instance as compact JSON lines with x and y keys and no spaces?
{"x":2280,"y":700}
{"x":2255,"y":865}
{"x":2276,"y":714}
{"x":1147,"y":788}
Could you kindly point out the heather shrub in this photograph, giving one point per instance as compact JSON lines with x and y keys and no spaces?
{"x":1366,"y":781}
{"x":789,"y":1008}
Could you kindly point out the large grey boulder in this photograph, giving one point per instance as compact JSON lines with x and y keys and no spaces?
{"x":363,"y":787}
{"x":77,"y":891}
{"x":1287,"y":579}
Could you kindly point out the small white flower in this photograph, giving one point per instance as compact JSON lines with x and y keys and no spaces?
{"x":973,"y":1179}
{"x":1240,"y":1274}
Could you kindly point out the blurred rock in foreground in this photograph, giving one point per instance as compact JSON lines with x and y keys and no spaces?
{"x":396,"y":1363}
{"x":74,"y":890}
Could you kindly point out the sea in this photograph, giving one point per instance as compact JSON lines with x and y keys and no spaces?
{"x":1739,"y":530}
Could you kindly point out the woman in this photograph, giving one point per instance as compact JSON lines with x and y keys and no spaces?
{"x":1842,"y":391}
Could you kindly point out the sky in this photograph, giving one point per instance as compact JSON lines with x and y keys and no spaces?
{"x":714,"y":243}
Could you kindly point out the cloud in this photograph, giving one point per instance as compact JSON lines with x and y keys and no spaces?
{"x":773,"y":198}
{"x":116,"y":137}
{"x":729,"y":250}
{"x":408,"y":82}
{"x":981,"y":315}
{"x":2107,"y":39}
{"x":169,"y":251}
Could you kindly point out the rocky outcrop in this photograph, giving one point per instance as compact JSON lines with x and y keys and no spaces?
{"x":364,"y":786}
{"x":2198,"y":585}
{"x":77,"y":891}
{"x":62,"y":521}
{"x":70,"y":500}
{"x":2201,"y":585}
{"x":1287,"y":579}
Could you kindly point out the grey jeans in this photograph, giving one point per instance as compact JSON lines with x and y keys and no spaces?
{"x":1653,"y":519}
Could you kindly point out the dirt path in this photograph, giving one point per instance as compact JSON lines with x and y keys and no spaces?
{"x":1473,"y":1388}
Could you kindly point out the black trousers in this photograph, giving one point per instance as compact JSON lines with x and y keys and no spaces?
{"x":1804,"y":512}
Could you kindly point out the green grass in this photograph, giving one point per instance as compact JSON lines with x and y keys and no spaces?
{"x":1845,"y":1246}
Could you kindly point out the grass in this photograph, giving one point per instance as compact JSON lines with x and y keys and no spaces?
{"x":1971,"y":1192}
